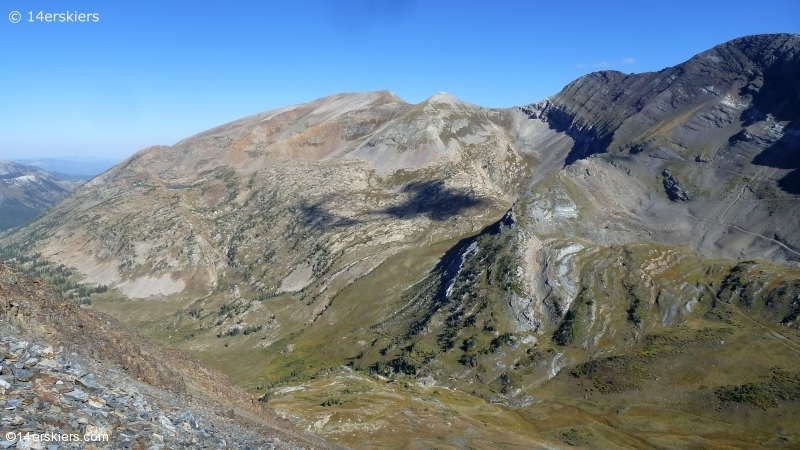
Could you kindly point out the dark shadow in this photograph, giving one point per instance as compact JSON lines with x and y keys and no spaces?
{"x":427,"y":198}
{"x":14,"y":213}
{"x":12,"y":175}
{"x":450,"y":264}
{"x":317,"y":216}
{"x":779,"y":96}
{"x":586,"y":142}
{"x":784,"y":154}
{"x":433,"y":200}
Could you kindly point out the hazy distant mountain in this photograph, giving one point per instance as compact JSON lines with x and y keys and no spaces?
{"x":26,"y":191}
{"x":623,"y":252}
{"x":71,"y":168}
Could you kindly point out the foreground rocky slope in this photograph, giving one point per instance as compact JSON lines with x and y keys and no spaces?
{"x":585,"y":253}
{"x":49,"y":396}
{"x":66,"y":371}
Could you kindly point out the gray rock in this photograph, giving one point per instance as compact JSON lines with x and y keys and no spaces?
{"x":141,"y":413}
{"x":88,"y":381}
{"x":674,"y":189}
{"x":49,"y":364}
{"x":166,"y":423}
{"x":22,"y":374}
{"x":76,"y":370}
{"x":77,"y":394}
{"x":12,"y":403}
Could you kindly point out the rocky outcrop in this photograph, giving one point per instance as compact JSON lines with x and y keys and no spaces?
{"x":63,"y":364}
{"x":674,"y":189}
{"x":750,"y":76}
{"x":51,"y":400}
{"x":721,"y":129}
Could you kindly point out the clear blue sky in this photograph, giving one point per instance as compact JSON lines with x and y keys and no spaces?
{"x":154,"y":72}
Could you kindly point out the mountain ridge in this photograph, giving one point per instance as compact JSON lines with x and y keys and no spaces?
{"x":26,"y":191}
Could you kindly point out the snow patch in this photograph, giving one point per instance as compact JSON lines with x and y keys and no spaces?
{"x":288,"y":389}
{"x":472,"y":247}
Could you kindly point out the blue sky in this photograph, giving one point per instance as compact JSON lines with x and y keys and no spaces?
{"x":154,"y":72}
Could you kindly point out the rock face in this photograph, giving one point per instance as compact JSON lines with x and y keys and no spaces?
{"x":741,"y":82}
{"x":674,"y":189}
{"x":66,"y":371}
{"x":26,"y":191}
{"x":57,"y":403}
{"x":725,"y":123}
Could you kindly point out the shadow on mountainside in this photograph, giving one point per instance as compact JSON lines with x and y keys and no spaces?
{"x":584,"y":143}
{"x":318,"y":215}
{"x":433,"y":200}
{"x":784,"y":154}
{"x":779,"y":96}
{"x":781,"y":99}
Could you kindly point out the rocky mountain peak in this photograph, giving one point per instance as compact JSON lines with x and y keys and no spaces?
{"x":762,"y":50}
{"x":445,"y":101}
{"x":745,"y":79}
{"x":443,"y":97}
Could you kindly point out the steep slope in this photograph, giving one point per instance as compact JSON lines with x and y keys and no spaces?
{"x":26,"y":191}
{"x":289,"y":201}
{"x":708,"y":147}
{"x":46,"y":340}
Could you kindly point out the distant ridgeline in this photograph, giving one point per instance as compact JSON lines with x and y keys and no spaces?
{"x":27,"y":191}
